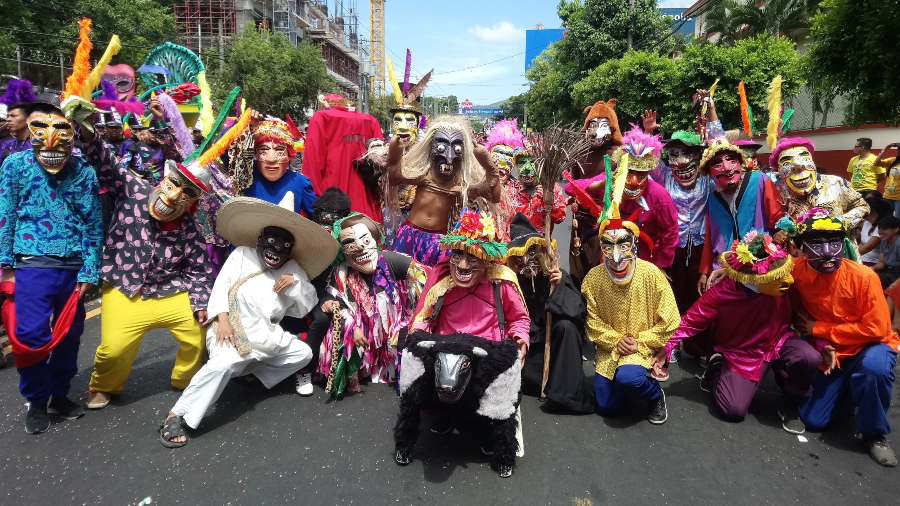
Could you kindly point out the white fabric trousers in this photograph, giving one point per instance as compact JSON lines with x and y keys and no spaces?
{"x":226,"y":363}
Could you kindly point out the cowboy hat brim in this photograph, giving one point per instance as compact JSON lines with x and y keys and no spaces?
{"x":242,"y":219}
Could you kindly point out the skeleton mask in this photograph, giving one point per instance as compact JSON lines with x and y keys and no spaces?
{"x":635,"y":184}
{"x":274,"y":247}
{"x":174,"y":195}
{"x":685,"y":164}
{"x":797,"y":169}
{"x":598,"y":131}
{"x":465,"y":269}
{"x":727,"y":171}
{"x":405,"y":125}
{"x":447,"y":151}
{"x":619,"y":249}
{"x":824,"y":253}
{"x":51,"y":140}
{"x":272,"y":159}
{"x":359,"y":247}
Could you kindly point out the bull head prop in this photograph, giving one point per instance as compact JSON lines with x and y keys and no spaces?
{"x":452,"y":372}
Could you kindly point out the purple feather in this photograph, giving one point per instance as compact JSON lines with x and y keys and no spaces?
{"x":183,"y":140}
{"x":406,"y":85}
{"x":135,"y":108}
{"x":18,"y":91}
{"x":423,"y":122}
{"x":109,"y":90}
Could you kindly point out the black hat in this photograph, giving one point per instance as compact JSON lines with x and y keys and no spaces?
{"x":522,"y":236}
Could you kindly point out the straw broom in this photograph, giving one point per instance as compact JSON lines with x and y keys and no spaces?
{"x":555,"y":151}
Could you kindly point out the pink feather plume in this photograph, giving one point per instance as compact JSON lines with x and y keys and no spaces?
{"x":636,"y":143}
{"x":505,"y":132}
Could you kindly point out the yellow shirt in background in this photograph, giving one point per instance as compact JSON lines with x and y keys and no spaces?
{"x":864,"y":173}
{"x":892,"y":183}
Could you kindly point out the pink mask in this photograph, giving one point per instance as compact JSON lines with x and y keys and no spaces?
{"x":726,"y":170}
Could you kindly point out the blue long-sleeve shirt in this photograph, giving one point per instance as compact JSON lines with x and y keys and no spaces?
{"x":50,"y":215}
{"x":304,"y":195}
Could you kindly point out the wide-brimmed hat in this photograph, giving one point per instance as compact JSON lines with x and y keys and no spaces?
{"x":717,"y":145}
{"x":756,"y":259}
{"x":476,"y":234}
{"x":524,"y":235}
{"x":242,"y":219}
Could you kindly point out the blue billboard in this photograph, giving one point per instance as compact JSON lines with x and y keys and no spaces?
{"x":676,"y":15}
{"x":538,"y":40}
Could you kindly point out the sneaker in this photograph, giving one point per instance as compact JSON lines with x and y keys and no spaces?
{"x":505,"y":470}
{"x":790,"y":419}
{"x":881,"y":451}
{"x":97,"y":400}
{"x":713,"y":365}
{"x":64,"y":408}
{"x":442,"y":428}
{"x":304,"y":384}
{"x":36,"y":419}
{"x":659,"y":414}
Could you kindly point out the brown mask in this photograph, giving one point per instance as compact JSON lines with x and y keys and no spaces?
{"x":51,"y":139}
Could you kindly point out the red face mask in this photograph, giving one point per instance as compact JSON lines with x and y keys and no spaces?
{"x":726,"y":170}
{"x":635,"y":184}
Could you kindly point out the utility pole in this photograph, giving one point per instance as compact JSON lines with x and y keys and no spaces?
{"x":631,"y":12}
{"x":18,"y":61}
{"x":62,"y":71}
{"x":221,"y":45}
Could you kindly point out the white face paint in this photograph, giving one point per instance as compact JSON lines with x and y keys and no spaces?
{"x":360,"y":248}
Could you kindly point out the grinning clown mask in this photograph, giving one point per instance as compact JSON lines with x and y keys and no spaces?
{"x":685,"y":164}
{"x":360,"y":247}
{"x":173,"y":196}
{"x":797,"y":169}
{"x":274,"y":247}
{"x":635,"y":184}
{"x":619,"y":248}
{"x":727,"y":171}
{"x":405,"y":125}
{"x":51,"y":139}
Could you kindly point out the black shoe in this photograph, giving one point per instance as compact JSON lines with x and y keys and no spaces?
{"x":659,"y":414}
{"x":505,"y":470}
{"x":442,"y":428}
{"x":881,"y":451}
{"x":36,"y":419}
{"x":790,"y":419}
{"x":64,"y":408}
{"x":403,"y":456}
{"x":713,"y":365}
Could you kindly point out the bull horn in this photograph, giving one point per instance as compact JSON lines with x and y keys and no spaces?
{"x":479,"y":352}
{"x":426,"y":344}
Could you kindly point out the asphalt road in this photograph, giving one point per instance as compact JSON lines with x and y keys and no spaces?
{"x":274,"y":447}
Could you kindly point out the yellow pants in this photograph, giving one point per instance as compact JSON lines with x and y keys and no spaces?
{"x":123,"y":324}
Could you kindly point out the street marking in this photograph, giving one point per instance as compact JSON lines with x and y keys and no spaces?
{"x":92,"y":313}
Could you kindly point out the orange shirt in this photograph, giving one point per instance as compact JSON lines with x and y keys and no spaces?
{"x":848,"y":307}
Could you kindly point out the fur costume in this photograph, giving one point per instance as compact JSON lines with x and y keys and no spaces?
{"x":606,"y":110}
{"x":491,"y":395}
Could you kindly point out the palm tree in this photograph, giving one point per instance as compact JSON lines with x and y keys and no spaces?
{"x":720,"y":20}
{"x":789,"y":18}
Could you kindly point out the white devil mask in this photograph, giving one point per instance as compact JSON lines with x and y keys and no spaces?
{"x":359,"y":247}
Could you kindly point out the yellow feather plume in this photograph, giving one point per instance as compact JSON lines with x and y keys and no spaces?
{"x":395,"y":86}
{"x":774,"y":112}
{"x":112,"y":49}
{"x":82,"y":65}
{"x":216,"y":150}
{"x":207,"y":118}
{"x":618,"y":189}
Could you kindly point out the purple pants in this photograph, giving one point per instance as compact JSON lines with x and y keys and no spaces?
{"x":424,"y":246}
{"x":794,"y":370}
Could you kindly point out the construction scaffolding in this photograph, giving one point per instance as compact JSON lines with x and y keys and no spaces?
{"x":376,"y":38}
{"x":284,"y":20}
{"x":204,"y":26}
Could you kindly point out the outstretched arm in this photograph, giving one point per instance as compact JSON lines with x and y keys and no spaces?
{"x":490,"y":187}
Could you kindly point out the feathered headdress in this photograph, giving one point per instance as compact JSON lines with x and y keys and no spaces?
{"x":506,"y":133}
{"x":109,"y":100}
{"x":406,"y":95}
{"x":476,"y":233}
{"x":745,"y":110}
{"x":642,"y":150}
{"x":18,"y":91}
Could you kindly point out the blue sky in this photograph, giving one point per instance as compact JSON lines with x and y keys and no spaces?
{"x":466,"y":33}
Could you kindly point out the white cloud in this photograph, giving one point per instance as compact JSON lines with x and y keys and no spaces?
{"x":503,"y":32}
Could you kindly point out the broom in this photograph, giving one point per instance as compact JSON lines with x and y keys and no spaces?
{"x":555,"y":151}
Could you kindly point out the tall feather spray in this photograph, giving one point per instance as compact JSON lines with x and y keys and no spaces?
{"x":774,"y":112}
{"x":183,"y":140}
{"x":93,"y":79}
{"x":745,"y":109}
{"x":225,"y":141}
{"x":81,"y":68}
{"x":395,"y":87}
{"x":207,"y":118}
{"x":406,"y":71}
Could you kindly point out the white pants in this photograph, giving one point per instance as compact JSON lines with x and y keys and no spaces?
{"x":226,"y":363}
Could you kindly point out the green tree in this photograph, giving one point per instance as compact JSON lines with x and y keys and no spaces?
{"x":515,"y":108}
{"x":643,"y":80}
{"x":275,"y":77}
{"x":854,"y":49}
{"x":596,"y":31}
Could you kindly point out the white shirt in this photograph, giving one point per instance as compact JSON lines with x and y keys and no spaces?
{"x":869,"y":230}
{"x":260,"y":308}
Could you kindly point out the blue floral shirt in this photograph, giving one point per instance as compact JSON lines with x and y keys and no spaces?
{"x":46,"y":215}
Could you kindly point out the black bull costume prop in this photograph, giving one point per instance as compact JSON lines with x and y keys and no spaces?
{"x":469,"y":378}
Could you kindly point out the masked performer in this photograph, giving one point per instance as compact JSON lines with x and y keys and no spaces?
{"x":155,"y":268}
{"x":566,"y":389}
{"x":749,"y":148}
{"x":631,"y":313}
{"x":155,"y":144}
{"x":804,"y":188}
{"x":264,"y":278}
{"x":448,"y":170}
{"x":371,"y":295}
{"x":530,"y":195}
{"x":758,"y":274}
{"x":51,"y":228}
{"x":504,"y":141}
{"x":335,"y":138}
{"x":646,"y":202}
{"x":14,"y":134}
{"x":742,"y":201}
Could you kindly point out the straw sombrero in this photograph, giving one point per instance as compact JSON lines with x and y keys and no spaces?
{"x":241,"y":219}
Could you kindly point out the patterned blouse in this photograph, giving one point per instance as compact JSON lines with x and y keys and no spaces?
{"x":831,"y":193}
{"x":45,"y":215}
{"x":143,"y":256}
{"x":645,"y":309}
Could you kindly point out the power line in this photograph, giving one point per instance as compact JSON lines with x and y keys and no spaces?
{"x":65,"y":38}
{"x":481,"y":64}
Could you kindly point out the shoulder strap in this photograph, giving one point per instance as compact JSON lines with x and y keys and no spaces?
{"x":501,"y":318}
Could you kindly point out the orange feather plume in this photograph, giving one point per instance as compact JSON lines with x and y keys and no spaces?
{"x":745,"y":109}
{"x":82,"y":65}
{"x":216,"y":150}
